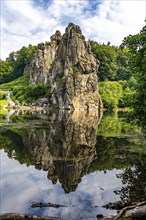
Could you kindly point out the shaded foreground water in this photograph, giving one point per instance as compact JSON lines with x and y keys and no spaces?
{"x":70,"y":159}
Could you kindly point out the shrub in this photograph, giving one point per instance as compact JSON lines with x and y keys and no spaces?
{"x":2,"y":95}
{"x":110,"y":92}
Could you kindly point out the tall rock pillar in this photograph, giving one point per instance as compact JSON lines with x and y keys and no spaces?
{"x":74,"y":73}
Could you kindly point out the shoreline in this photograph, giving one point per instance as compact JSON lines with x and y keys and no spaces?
{"x":24,"y":108}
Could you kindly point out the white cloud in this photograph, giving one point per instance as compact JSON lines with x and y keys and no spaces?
{"x":115,"y":20}
{"x":23,"y":8}
{"x":23,"y":22}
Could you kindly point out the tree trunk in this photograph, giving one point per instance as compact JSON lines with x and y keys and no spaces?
{"x":15,"y":216}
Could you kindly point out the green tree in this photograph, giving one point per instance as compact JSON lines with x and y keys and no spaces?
{"x":123,"y":71}
{"x":5,"y":71}
{"x":23,"y":57}
{"x":14,"y":65}
{"x":136,"y":45}
{"x":114,"y":62}
{"x":111,"y":92}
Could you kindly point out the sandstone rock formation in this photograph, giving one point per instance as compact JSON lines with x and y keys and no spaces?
{"x":74,"y":73}
{"x":69,"y":67}
{"x":42,"y":60}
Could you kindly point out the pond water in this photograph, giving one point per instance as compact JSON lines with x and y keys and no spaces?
{"x":70,"y":159}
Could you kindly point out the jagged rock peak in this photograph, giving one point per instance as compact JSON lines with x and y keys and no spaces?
{"x":56,"y":37}
{"x":74,"y":73}
{"x":73,"y":28}
{"x":42,"y":60}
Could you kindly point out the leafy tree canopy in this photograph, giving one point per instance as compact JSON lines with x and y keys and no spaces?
{"x":114,"y":63}
{"x":136,"y":45}
{"x":14,"y":65}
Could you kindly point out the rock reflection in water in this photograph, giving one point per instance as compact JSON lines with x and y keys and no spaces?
{"x":67,"y":149}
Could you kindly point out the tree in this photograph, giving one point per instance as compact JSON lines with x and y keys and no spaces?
{"x":111,"y":92}
{"x":14,"y":65}
{"x":23,"y":57}
{"x":136,"y":45}
{"x":113,"y":62}
{"x":5,"y":71}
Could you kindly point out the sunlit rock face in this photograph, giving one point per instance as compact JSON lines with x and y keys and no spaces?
{"x":69,"y":67}
{"x":42,"y":60}
{"x":74,"y":73}
{"x":67,"y":149}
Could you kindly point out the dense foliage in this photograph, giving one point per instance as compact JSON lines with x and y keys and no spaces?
{"x":31,"y":93}
{"x":110,"y":92}
{"x":3,"y":103}
{"x":113,"y":62}
{"x":14,"y":65}
{"x":2,"y":95}
{"x":23,"y":92}
{"x":116,"y":81}
{"x":20,"y":82}
{"x":117,"y":94}
{"x":136,"y":45}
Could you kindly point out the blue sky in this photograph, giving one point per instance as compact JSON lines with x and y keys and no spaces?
{"x":26,"y":22}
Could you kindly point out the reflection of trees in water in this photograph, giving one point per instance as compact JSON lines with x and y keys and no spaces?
{"x":12,"y":144}
{"x":64,"y":149}
{"x":134,"y":181}
{"x":127,"y":152}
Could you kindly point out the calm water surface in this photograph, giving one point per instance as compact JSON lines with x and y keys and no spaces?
{"x":70,"y":159}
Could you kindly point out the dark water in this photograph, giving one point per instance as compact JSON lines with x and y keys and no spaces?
{"x":70,"y":159}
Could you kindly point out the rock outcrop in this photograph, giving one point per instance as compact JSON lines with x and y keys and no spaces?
{"x":42,"y":60}
{"x":74,"y":74}
{"x":68,"y":65}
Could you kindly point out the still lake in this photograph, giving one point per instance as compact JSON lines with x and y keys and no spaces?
{"x":70,"y":159}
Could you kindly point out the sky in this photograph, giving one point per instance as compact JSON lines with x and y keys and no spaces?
{"x":25,"y":22}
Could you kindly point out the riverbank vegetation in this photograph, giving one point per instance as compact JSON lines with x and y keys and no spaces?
{"x":3,"y":101}
{"x":14,"y":65}
{"x":23,"y":92}
{"x":136,"y":45}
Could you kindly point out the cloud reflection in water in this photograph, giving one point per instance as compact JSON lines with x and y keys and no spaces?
{"x":21,"y":185}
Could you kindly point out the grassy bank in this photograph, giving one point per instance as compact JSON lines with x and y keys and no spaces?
{"x":3,"y":103}
{"x":21,"y":81}
{"x":23,"y":92}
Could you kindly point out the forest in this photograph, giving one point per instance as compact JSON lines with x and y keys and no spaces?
{"x":121,"y":74}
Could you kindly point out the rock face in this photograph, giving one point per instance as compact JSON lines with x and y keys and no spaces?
{"x":42,"y":60}
{"x":69,"y":66}
{"x":74,"y":79}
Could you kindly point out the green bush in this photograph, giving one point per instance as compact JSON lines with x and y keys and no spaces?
{"x":118,"y":94}
{"x":129,"y":92}
{"x":31,"y":93}
{"x":17,"y":83}
{"x":110,"y":92}
{"x":23,"y":92}
{"x":127,"y":98}
{"x":14,"y":65}
{"x":2,"y":95}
